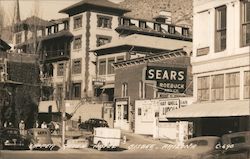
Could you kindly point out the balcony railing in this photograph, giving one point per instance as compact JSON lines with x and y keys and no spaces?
{"x":57,"y":55}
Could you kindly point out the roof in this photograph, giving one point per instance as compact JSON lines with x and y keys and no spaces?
{"x":97,"y":3}
{"x":144,"y":41}
{"x":33,"y":20}
{"x":216,"y":109}
{"x":4,"y":46}
{"x":57,"y":21}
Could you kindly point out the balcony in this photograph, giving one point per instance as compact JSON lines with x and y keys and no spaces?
{"x":57,"y":55}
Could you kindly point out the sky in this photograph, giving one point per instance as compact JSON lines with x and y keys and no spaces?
{"x":47,"y":9}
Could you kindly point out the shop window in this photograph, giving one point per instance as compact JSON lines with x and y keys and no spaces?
{"x":77,"y":42}
{"x":104,"y":21}
{"x":247,"y":84}
{"x":102,"y":40}
{"x":221,"y":29}
{"x":111,"y":69}
{"x":125,"y":112}
{"x":233,"y":86}
{"x":18,"y":38}
{"x":60,"y":69}
{"x":76,"y":90}
{"x":157,"y":27}
{"x":124,"y":90}
{"x":203,"y":88}
{"x":77,"y":66}
{"x":245,"y":23}
{"x":142,"y":24}
{"x":102,"y":67}
{"x":77,"y":22}
{"x":217,"y":87}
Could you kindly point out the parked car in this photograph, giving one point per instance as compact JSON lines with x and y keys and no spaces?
{"x":238,"y":145}
{"x":92,"y":123}
{"x":105,"y":138}
{"x":10,"y":138}
{"x":204,"y":147}
{"x":40,"y":139}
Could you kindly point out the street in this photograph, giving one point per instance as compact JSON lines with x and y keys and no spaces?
{"x":80,"y":155}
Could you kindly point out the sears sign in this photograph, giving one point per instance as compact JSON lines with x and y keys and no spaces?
{"x":168,"y":79}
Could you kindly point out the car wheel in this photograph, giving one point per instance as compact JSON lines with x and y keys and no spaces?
{"x":99,"y":146}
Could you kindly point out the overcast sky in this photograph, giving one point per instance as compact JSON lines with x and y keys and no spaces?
{"x":47,"y":9}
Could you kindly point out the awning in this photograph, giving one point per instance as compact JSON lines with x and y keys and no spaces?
{"x":216,"y":109}
{"x":108,"y":86}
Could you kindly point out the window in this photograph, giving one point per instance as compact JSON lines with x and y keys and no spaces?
{"x":49,"y":30}
{"x":111,"y":69}
{"x":125,"y":112}
{"x":171,"y":29}
{"x":104,"y":21}
{"x":76,"y":92}
{"x":124,"y":90}
{"x":247,"y":84}
{"x":217,"y":87}
{"x":157,"y":27}
{"x":221,"y":25}
{"x":59,"y":90}
{"x":76,"y":66}
{"x":101,"y":40}
{"x":77,"y":22}
{"x":60,"y":69}
{"x":102,"y":67}
{"x":77,"y":42}
{"x":185,"y":31}
{"x":55,"y":28}
{"x":126,"y":22}
{"x":232,"y":86}
{"x":245,"y":23}
{"x":18,"y":38}
{"x":141,"y":90}
{"x":142,"y":24}
{"x":120,"y":58}
{"x":139,"y":111}
{"x":203,"y":88}
{"x":66,"y":25}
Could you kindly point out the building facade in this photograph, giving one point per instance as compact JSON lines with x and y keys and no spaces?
{"x":221,"y":68}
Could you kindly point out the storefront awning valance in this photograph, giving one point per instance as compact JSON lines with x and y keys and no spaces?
{"x":216,"y":109}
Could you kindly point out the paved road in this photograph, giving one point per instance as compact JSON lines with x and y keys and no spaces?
{"x":81,"y":155}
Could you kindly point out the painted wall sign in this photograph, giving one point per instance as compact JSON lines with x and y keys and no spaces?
{"x":169,"y":79}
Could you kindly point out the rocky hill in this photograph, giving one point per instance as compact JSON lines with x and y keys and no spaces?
{"x":147,"y":9}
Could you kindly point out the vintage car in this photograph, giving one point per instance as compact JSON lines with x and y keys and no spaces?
{"x":105,"y":138}
{"x":204,"y":147}
{"x":40,"y":139}
{"x":10,"y":138}
{"x":92,"y":123}
{"x":238,"y":144}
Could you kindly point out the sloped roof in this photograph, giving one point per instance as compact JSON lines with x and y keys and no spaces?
{"x":4,"y":46}
{"x":98,"y":3}
{"x":145,"y":41}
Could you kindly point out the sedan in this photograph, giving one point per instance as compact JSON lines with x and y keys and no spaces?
{"x":10,"y":138}
{"x":93,"y":123}
{"x":204,"y":147}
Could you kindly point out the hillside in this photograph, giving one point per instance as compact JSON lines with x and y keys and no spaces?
{"x":147,"y":9}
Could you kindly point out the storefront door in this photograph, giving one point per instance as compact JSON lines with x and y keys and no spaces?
{"x":121,"y":115}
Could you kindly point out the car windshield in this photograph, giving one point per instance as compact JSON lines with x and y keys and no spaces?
{"x":238,"y":140}
{"x":198,"y":142}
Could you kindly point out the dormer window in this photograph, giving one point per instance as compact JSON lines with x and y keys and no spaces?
{"x":142,"y":24}
{"x":157,"y":27}
{"x":171,"y":29}
{"x":126,"y":22}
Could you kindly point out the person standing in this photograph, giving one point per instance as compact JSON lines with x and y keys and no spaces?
{"x":22,"y":127}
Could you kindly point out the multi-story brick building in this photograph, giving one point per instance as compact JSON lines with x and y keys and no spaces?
{"x":221,"y":68}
